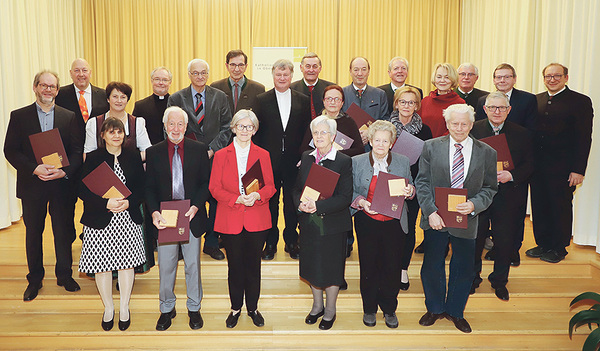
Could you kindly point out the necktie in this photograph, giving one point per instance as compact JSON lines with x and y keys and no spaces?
{"x":496,"y":130}
{"x":360,"y":92}
{"x":199,"y":108}
{"x":83,"y":106}
{"x":313,"y":113}
{"x":177,"y":171}
{"x":236,"y":93}
{"x":458,"y":168}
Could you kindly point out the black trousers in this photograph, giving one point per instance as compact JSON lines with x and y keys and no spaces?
{"x":409,"y":244}
{"x":379,"y":252}
{"x":57,"y":200}
{"x":285,"y":178}
{"x":243,"y":263}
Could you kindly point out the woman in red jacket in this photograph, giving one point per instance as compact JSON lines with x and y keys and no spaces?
{"x":242,"y":219}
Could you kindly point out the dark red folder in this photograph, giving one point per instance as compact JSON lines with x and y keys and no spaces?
{"x":361,"y":117}
{"x":322,"y":180}
{"x":498,"y":143}
{"x":409,"y":145}
{"x":253,"y":180}
{"x":182,"y":231}
{"x":452,"y":219}
{"x":103,"y":180}
{"x":382,"y":202}
{"x":49,"y":144}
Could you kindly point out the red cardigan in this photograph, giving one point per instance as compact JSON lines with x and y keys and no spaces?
{"x":231,"y":218}
{"x":431,"y":110}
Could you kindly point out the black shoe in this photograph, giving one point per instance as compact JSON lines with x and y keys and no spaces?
{"x":69,"y":284}
{"x":32,"y":291}
{"x":312,"y":318}
{"x":214,"y":252}
{"x":326,"y":325}
{"x":476,"y":282}
{"x":109,"y":325}
{"x":123,"y":325}
{"x":515,"y":259}
{"x":196,"y":321}
{"x":269,"y":252}
{"x":257,"y":318}
{"x":490,"y":255}
{"x":344,"y":285}
{"x":536,"y":252}
{"x":460,"y":323}
{"x":430,"y":318}
{"x":164,"y":322}
{"x":293,"y":250}
{"x":348,"y":250}
{"x":404,"y":286}
{"x":501,"y":293}
{"x":232,"y":319}
{"x":552,"y":257}
{"x":420,"y":249}
{"x":391,"y":320}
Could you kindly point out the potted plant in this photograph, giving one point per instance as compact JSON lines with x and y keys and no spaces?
{"x":589,"y":317}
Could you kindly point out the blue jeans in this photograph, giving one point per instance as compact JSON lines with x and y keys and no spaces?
{"x":433,"y":273}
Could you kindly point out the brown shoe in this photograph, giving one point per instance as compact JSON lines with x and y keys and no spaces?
{"x":430,"y":318}
{"x":460,"y":323}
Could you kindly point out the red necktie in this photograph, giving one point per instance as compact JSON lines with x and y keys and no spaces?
{"x":360,"y":92}
{"x":236,"y":94}
{"x":83,"y":106}
{"x":313,"y":113}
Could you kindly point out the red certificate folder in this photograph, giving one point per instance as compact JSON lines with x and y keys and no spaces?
{"x":361,"y":117}
{"x":498,"y":142}
{"x":321,"y":180}
{"x":383,"y":202}
{"x":408,"y":145}
{"x":181,"y":232}
{"x":103,"y":181}
{"x":49,"y":149}
{"x":445,"y":198}
{"x":341,"y":141}
{"x":253,"y":180}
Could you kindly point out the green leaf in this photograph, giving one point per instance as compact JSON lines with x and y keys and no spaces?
{"x":583,"y":317}
{"x":592,"y":343}
{"x":586,"y":296}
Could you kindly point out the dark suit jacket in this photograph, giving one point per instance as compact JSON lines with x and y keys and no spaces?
{"x":334,"y":211}
{"x":17,"y":148}
{"x":247,"y":100}
{"x":95,"y":214}
{"x":563,"y":133}
{"x":196,"y":171}
{"x":214,"y":131}
{"x":473,"y":97}
{"x":271,"y":136}
{"x":523,"y":111}
{"x":68,"y":99}
{"x":318,"y":92}
{"x":434,"y":171}
{"x":152,"y":108}
{"x":389,"y":93}
{"x":373,"y":101}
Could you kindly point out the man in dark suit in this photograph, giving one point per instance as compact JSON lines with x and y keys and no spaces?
{"x":241,"y":91}
{"x":398,"y":72}
{"x":209,"y":116}
{"x":40,"y":185}
{"x":468,"y":74}
{"x":179,"y":169}
{"x":523,"y":104}
{"x":562,"y":141}
{"x":284,"y":116}
{"x":456,"y":161}
{"x":507,"y":212}
{"x":153,"y":107}
{"x":311,"y":85}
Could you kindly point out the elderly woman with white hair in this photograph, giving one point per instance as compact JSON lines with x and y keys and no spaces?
{"x":380,"y":238}
{"x":242,"y":218}
{"x":324,"y":223}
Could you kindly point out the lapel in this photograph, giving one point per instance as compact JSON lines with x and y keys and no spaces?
{"x":473,"y":163}
{"x":163,"y":154}
{"x":188,"y":99}
{"x":445,"y":164}
{"x":208,"y":98}
{"x":252,"y":156}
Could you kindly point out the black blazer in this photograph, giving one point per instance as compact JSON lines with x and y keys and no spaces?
{"x":196,"y":172}
{"x":523,"y":111}
{"x":389,"y":93}
{"x":17,"y":148}
{"x":66,"y":98}
{"x":247,"y":100}
{"x":151,"y":108}
{"x":95,"y":214}
{"x":473,"y":97}
{"x":318,"y":92}
{"x":271,"y":136}
{"x":334,"y":211}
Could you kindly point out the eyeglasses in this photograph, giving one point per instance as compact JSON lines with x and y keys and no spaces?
{"x":465,"y":74}
{"x":196,"y":74}
{"x":236,"y":65}
{"x":407,"y":102}
{"x":498,"y":108}
{"x":241,"y":127}
{"x":553,"y":76}
{"x":332,"y":99}
{"x":161,"y":80}
{"x":46,"y":86}
{"x":320,"y":133}
{"x":506,"y":77}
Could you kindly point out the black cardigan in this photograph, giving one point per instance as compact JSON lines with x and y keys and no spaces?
{"x":95,"y":213}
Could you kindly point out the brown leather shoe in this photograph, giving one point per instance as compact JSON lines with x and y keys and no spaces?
{"x":460,"y":323}
{"x":430,"y":318}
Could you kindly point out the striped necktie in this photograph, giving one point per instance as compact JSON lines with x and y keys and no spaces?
{"x":458,"y":168}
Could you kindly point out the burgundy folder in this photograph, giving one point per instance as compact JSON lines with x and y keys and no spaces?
{"x":48,"y":147}
{"x":103,"y":181}
{"x":361,"y":117}
{"x":182,"y":231}
{"x":341,"y":141}
{"x":253,"y":180}
{"x":445,"y":197}
{"x":498,"y":143}
{"x":382,"y":202}
{"x":322,"y":180}
{"x":409,"y":145}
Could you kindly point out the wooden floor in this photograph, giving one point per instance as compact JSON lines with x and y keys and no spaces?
{"x":535,"y":318}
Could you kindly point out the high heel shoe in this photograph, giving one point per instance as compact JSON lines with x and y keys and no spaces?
{"x":326,"y":325}
{"x":312,"y":318}
{"x":108,"y":325}
{"x":123,"y":325}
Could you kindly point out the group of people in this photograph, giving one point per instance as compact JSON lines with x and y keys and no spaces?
{"x":198,"y":143}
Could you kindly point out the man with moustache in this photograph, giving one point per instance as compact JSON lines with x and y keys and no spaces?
{"x":310,"y":85}
{"x":153,"y":107}
{"x":468,"y":74}
{"x":398,"y":72}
